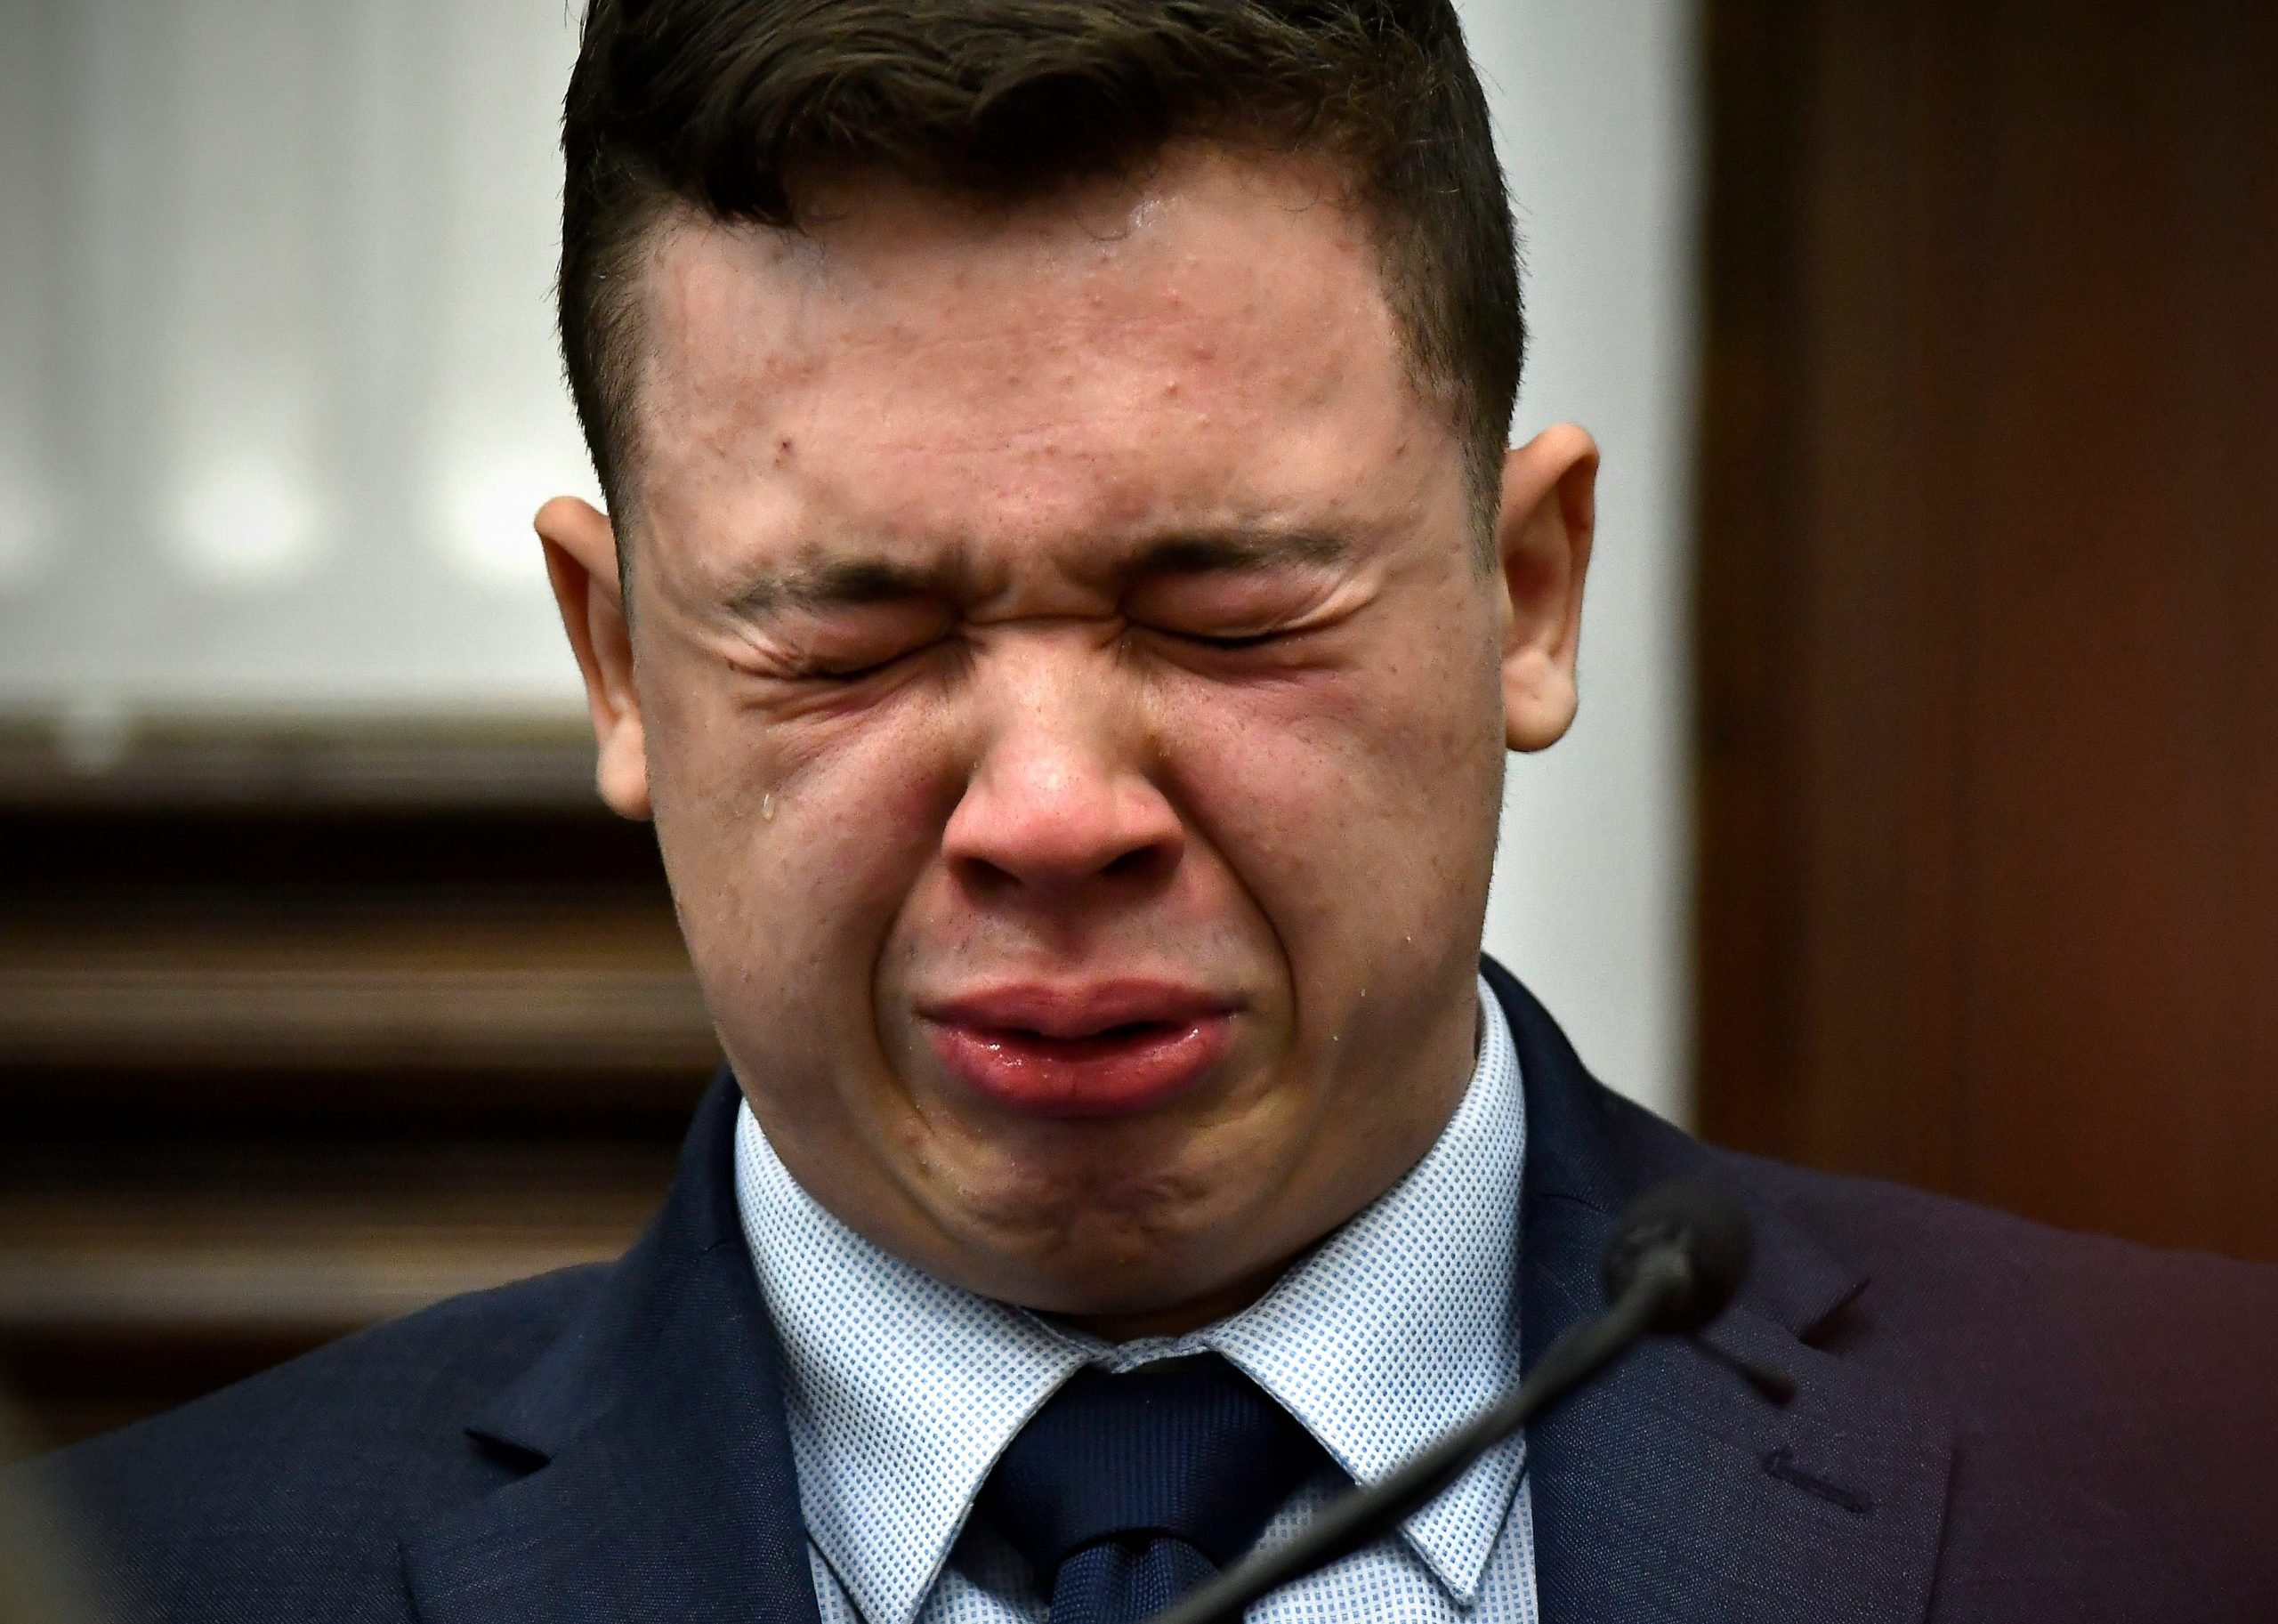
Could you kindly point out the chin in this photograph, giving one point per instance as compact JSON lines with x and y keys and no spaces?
{"x":1090,"y":1250}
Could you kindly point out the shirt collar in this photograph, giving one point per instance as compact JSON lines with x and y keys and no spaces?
{"x":901,"y":1391}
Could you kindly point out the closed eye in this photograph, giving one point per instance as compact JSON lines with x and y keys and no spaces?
{"x":855,"y":643}
{"x":846,"y":674}
{"x":1247,"y":640}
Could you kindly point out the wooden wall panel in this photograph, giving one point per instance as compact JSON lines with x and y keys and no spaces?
{"x":1986,"y":597}
{"x":301,"y":1032}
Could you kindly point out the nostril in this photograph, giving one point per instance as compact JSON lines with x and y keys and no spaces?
{"x":1132,"y":864}
{"x":984,"y":876}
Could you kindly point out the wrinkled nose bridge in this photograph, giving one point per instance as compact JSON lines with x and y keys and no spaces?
{"x":1058,"y":785}
{"x":1051,"y":719}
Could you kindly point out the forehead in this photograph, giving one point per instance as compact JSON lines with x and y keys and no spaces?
{"x":1211,"y":344}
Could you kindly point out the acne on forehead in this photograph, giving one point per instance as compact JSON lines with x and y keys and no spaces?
{"x":909,"y":337}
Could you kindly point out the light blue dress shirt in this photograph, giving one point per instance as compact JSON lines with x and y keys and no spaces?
{"x":902,"y":1391}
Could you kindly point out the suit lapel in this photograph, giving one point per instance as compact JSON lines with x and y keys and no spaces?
{"x":661,"y":1484}
{"x":1671,"y":1489}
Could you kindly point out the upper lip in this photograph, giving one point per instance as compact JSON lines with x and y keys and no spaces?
{"x":1076,"y":1009}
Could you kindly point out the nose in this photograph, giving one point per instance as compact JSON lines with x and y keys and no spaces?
{"x":1060,"y":798}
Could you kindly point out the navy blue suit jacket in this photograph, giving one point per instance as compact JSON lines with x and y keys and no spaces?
{"x":1992,"y":1421}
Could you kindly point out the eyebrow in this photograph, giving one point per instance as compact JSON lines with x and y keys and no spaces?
{"x":1204,"y":552}
{"x":828,"y":584}
{"x":823,"y":585}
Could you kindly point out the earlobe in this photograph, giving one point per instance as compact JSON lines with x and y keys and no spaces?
{"x":581,"y":562}
{"x":1543,"y":541}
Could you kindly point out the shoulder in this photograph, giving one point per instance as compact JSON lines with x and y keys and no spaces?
{"x":297,"y":1483}
{"x":2103,"y":1396}
{"x":1938,"y":1269}
{"x":1972,"y":1302}
{"x":1932,"y":1268}
{"x":2110,"y":1406}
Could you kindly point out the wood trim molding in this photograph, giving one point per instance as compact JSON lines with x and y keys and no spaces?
{"x":190,"y":1017}
{"x":283,"y":762}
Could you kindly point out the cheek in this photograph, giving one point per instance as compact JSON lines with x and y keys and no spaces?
{"x":791,"y":847}
{"x":1358,"y":807}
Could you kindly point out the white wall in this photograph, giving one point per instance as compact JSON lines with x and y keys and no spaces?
{"x":1596,"y":105}
{"x":277,"y":388}
{"x":278,"y":393}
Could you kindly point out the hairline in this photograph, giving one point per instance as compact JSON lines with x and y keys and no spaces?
{"x":623,"y":322}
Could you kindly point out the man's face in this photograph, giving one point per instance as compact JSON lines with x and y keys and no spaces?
{"x":1072,"y":707}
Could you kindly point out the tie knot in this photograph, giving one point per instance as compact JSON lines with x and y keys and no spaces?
{"x":1190,"y":1450}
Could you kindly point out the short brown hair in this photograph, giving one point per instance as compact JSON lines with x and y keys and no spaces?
{"x":720,"y":105}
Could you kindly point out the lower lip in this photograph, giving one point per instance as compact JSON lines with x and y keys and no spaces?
{"x":1116,"y":1074}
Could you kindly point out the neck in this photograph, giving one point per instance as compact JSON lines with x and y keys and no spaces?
{"x":1180,"y":1318}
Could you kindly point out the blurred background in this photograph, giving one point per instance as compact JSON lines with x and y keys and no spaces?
{"x":1922,"y":818}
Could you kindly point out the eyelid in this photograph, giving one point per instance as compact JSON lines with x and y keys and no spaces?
{"x":876,"y":635}
{"x":856,"y":674}
{"x":1255,"y":612}
{"x":1236,"y":642}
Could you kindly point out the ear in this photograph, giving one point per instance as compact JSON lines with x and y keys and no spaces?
{"x":581,"y":559}
{"x":1542,"y":553}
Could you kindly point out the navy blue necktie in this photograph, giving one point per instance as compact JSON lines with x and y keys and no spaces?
{"x":1126,"y":1491}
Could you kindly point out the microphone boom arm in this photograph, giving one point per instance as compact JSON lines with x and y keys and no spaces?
{"x":1660,"y":1278}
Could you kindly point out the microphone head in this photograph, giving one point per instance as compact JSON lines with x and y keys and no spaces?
{"x":1698,"y":1224}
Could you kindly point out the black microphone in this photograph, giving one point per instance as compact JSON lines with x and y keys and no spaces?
{"x":1676,"y":1257}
